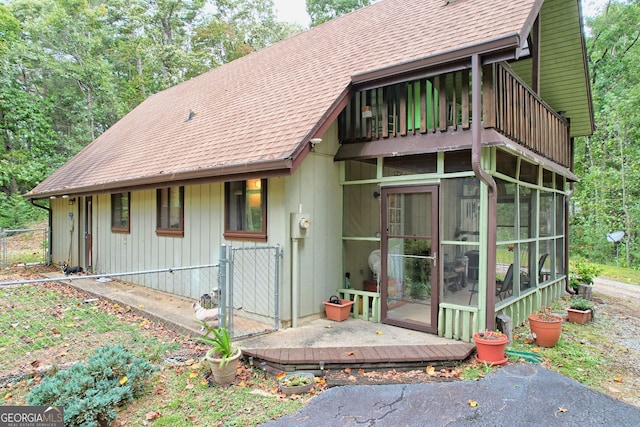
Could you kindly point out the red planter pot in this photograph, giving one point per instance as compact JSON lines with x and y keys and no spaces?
{"x":490,"y":347}
{"x":338,"y":312}
{"x":546,"y":329}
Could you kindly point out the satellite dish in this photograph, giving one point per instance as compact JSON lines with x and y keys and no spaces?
{"x":374,"y":263}
{"x":615,"y":237}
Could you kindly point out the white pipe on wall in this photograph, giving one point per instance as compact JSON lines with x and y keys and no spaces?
{"x":295,"y":283}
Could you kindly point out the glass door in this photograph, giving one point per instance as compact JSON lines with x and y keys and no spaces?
{"x":409,"y":277}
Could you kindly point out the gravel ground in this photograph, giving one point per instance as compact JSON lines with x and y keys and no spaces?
{"x":621,"y":305}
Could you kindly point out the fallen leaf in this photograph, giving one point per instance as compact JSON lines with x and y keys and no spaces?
{"x":193,"y":374}
{"x":189,"y":362}
{"x":618,"y":379}
{"x":561,"y":409}
{"x":379,"y":332}
{"x":141,"y":306}
{"x":150,"y":416}
{"x":351,"y":353}
{"x":281,"y":375}
{"x":347,"y":370}
{"x":204,"y":381}
{"x":473,"y":403}
{"x":123,"y":380}
{"x":8,"y":396}
{"x":431,"y":370}
{"x":536,"y":350}
{"x":328,"y":326}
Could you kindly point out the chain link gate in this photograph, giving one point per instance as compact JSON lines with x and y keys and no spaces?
{"x":24,"y":246}
{"x":251,"y":300}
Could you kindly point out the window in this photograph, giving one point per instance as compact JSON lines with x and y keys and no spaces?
{"x":246,"y":209}
{"x":170,"y":220}
{"x":120,"y":208}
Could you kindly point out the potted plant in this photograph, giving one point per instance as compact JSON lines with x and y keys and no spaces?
{"x":296,"y":383}
{"x":545,"y":328}
{"x":337,"y":309}
{"x":490,"y":346}
{"x":223,"y":356}
{"x":581,"y":277}
{"x":580,"y":310}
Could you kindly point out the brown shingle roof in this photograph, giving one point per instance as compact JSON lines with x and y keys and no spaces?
{"x":254,"y":112}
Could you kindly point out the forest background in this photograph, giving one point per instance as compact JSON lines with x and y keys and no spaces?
{"x":69,"y":69}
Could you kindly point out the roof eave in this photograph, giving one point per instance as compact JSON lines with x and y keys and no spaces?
{"x":263,"y":169}
{"x":495,"y":50}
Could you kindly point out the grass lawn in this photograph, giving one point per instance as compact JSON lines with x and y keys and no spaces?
{"x":47,"y":327}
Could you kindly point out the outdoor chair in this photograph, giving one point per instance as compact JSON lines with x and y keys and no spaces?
{"x":542,"y":274}
{"x":506,"y":285}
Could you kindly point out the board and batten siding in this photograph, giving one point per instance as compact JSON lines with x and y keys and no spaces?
{"x":142,"y":249}
{"x":315,"y":187}
{"x":561,"y":87}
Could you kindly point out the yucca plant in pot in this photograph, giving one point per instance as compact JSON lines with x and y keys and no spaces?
{"x":223,"y":356}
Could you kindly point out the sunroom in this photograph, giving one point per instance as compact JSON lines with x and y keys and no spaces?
{"x":431,"y":244}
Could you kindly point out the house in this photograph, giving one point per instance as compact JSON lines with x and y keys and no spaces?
{"x":413,"y":155}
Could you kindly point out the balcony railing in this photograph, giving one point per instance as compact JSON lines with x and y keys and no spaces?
{"x":442,"y":104}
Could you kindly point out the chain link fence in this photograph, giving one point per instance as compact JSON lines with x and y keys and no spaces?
{"x":48,"y":324}
{"x":25,"y":246}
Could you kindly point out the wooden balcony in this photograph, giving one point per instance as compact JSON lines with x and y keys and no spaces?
{"x":442,"y":105}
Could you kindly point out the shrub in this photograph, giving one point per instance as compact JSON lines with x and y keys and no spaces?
{"x":582,"y":272}
{"x":91,"y":392}
{"x":579,"y":303}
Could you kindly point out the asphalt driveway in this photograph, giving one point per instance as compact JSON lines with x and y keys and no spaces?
{"x":517,"y":394}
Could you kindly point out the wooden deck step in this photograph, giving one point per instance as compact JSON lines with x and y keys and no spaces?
{"x":292,"y":359}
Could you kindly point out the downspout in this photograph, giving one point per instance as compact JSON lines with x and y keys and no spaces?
{"x":50,"y":224}
{"x":566,"y":225}
{"x":566,"y":242}
{"x":482,"y":175}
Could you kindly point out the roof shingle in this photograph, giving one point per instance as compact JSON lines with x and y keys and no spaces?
{"x":262,"y":106}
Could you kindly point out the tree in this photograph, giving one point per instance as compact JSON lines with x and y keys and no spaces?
{"x":322,"y":11}
{"x":607,"y":199}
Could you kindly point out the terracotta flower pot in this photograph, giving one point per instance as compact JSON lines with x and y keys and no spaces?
{"x":490,"y":347}
{"x":578,"y":316}
{"x":338,"y":312}
{"x":546,"y":329}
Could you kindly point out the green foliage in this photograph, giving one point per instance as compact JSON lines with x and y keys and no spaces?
{"x":220,"y":342}
{"x":607,"y":198}
{"x":90,"y":393}
{"x":579,"y":303}
{"x":418,"y":270}
{"x":582,"y":272}
{"x":322,"y":11}
{"x":16,"y":212}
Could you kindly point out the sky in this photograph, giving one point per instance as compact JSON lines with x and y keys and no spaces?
{"x":292,"y":11}
{"x":295,"y":10}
